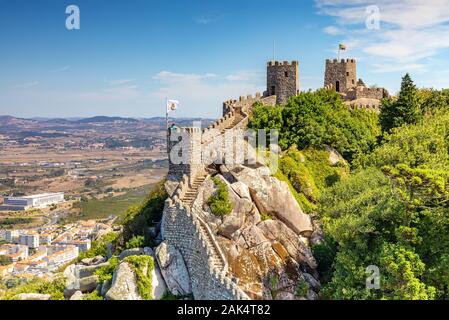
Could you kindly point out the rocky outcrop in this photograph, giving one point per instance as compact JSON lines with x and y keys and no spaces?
{"x":124,"y":284}
{"x":32,"y":296}
{"x":173,"y":269}
{"x":93,"y":261}
{"x":78,"y":295}
{"x":273,"y":197}
{"x":334,"y":156}
{"x":279,"y":233}
{"x":80,"y":278}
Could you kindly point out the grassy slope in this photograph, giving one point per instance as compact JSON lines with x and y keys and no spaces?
{"x":118,"y":206}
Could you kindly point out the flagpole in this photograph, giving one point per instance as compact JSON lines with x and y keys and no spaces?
{"x":166,"y":123}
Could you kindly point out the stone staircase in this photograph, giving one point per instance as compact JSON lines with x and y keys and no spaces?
{"x":188,"y":199}
{"x":215,"y":257}
{"x":192,"y":191}
{"x":238,"y":117}
{"x":186,"y":194}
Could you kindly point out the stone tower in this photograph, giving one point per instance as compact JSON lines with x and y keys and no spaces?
{"x":340,"y":75}
{"x":282,"y":80}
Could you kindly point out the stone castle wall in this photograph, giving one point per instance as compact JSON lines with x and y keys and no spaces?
{"x":192,"y":167}
{"x":246,"y":102}
{"x":182,"y":225}
{"x":368,"y":93}
{"x":183,"y":228}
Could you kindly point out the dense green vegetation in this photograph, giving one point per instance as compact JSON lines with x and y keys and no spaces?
{"x":5,"y":260}
{"x":219,"y":202}
{"x":391,"y":209}
{"x":100,"y":247}
{"x":54,"y":288}
{"x":403,"y":110}
{"x":118,"y":205}
{"x":106,"y":273}
{"x":309,"y":173}
{"x":316,"y":119}
{"x":143,"y":268}
{"x":139,"y":217}
{"x":13,"y":221}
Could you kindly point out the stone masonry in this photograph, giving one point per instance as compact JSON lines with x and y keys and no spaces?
{"x":341,"y":76}
{"x":282,"y":80}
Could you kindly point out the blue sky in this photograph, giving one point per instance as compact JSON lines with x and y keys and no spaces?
{"x":129,"y":55}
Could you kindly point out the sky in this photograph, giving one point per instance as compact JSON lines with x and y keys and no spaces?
{"x":128,"y":56}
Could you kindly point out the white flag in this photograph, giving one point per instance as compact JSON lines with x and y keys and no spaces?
{"x":172,"y":105}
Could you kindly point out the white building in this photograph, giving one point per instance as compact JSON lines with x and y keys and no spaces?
{"x":61,"y":255}
{"x":12,"y":236}
{"x":83,"y":245}
{"x":35,"y":201}
{"x":16,"y":252}
{"x":30,"y":240}
{"x":45,"y":238}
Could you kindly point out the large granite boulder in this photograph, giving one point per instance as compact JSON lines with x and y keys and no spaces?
{"x":32,"y":296}
{"x":243,"y":265}
{"x":282,"y":283}
{"x":276,"y":230}
{"x":80,"y":278}
{"x":250,"y":236}
{"x":124,"y":284}
{"x":273,"y":197}
{"x":334,"y":156}
{"x":173,"y":269}
{"x":87,"y":271}
{"x":88,"y":284}
{"x":78,"y":295}
{"x":93,"y":261}
{"x":159,"y":287}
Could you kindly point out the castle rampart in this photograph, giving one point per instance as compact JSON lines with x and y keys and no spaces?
{"x":183,"y":227}
{"x":341,"y":76}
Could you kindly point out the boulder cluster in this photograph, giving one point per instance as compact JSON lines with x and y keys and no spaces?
{"x":266,"y":236}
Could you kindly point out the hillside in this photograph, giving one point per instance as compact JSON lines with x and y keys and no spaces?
{"x":354,"y":193}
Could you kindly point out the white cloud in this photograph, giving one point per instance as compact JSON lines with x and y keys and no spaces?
{"x":411,"y":31}
{"x":244,"y":75}
{"x":203,"y":94}
{"x":175,"y":77}
{"x":332,"y":30}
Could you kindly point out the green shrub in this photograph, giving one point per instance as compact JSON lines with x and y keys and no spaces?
{"x":135,"y":242}
{"x":143,"y":267}
{"x":265,"y":216}
{"x":5,"y":260}
{"x":92,"y":296}
{"x":317,"y":119}
{"x":139,"y":218}
{"x":219,"y":202}
{"x":54,"y":288}
{"x":105,"y":273}
{"x":302,"y":289}
{"x":99,"y":247}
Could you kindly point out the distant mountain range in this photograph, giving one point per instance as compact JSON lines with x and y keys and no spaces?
{"x":10,"y":120}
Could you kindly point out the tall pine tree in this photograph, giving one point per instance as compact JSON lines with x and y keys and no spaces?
{"x":404,"y":110}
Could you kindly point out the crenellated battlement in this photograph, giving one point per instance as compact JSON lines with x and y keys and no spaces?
{"x":344,"y":61}
{"x":273,"y":63}
{"x":184,"y":228}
